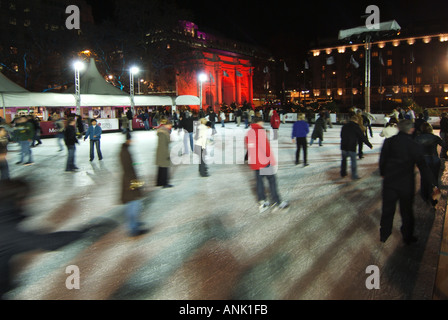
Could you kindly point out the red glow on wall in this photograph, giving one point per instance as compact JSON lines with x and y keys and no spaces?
{"x":229,"y":79}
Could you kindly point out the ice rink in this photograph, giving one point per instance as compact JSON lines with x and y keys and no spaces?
{"x":207,"y":240}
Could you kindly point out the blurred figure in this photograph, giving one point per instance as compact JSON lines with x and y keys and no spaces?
{"x":13,"y":240}
{"x":4,"y":140}
{"x":80,"y":125}
{"x":23,"y":133}
{"x":444,"y":134}
{"x":391,"y":129}
{"x":60,"y":128}
{"x":34,"y":120}
{"x":131,"y":189}
{"x":262,"y":162}
{"x":163,"y":158}
{"x":201,"y":145}
{"x":70,"y":141}
{"x":399,"y":156}
{"x":94,"y":134}
{"x":275,"y":123}
{"x":429,"y":141}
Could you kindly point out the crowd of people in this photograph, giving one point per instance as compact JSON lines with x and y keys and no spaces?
{"x":199,"y":128}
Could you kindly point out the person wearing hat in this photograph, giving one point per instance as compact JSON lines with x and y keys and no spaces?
{"x":163,"y":158}
{"x":262,"y":162}
{"x":131,"y":193}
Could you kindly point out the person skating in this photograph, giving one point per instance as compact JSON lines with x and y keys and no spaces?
{"x":399,"y":156}
{"x":70,"y":141}
{"x":299,"y":134}
{"x":261,"y":160}
{"x":319,"y":128}
{"x":23,"y":133}
{"x":351,"y":134}
{"x":163,"y":158}
{"x":131,"y":193}
{"x":4,"y":141}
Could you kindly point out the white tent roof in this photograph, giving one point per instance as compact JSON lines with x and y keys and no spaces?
{"x":92,"y":82}
{"x":46,"y":99}
{"x":7,"y":85}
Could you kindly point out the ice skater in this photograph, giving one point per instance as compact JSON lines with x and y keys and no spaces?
{"x":94,"y":134}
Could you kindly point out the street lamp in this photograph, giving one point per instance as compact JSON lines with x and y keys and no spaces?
{"x":78,"y":65}
{"x":133,"y":71}
{"x":202,"y":79}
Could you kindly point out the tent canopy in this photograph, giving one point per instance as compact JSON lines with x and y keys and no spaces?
{"x":40,"y":99}
{"x":7,"y":85}
{"x":92,"y":82}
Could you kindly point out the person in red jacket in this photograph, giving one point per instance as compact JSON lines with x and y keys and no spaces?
{"x":262,"y":162}
{"x":275,"y":123}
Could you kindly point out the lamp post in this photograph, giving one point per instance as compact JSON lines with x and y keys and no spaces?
{"x":202,"y":79}
{"x":133,"y":71}
{"x":78,"y":65}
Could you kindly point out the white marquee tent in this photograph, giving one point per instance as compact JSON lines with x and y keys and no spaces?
{"x":95,"y":92}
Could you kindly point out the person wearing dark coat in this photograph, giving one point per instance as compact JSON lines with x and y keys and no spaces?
{"x":131,"y":193}
{"x":318,"y":133}
{"x":430,"y":142}
{"x":70,"y":141}
{"x":163,"y":158}
{"x":399,"y":156}
{"x":444,"y":134}
{"x":351,"y":134}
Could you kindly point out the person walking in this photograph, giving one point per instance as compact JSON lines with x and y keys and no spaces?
{"x":261,"y":160}
{"x":201,"y":146}
{"x":299,"y":134}
{"x":350,"y":135}
{"x":70,"y":141}
{"x":163,"y":159}
{"x":319,"y":128}
{"x":131,"y":190}
{"x":399,"y":156}
{"x":429,"y":141}
{"x":94,"y":134}
{"x":23,"y":133}
{"x":37,"y":130}
{"x":444,"y":135}
{"x":4,"y":141}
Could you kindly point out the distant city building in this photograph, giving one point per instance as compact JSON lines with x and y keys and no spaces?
{"x":34,"y":35}
{"x":412,"y":66}
{"x":233,"y":70}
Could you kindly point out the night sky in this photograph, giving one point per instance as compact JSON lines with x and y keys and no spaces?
{"x":285,"y":27}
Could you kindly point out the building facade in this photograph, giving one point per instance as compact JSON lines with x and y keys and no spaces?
{"x":229,"y":67}
{"x":404,"y":69}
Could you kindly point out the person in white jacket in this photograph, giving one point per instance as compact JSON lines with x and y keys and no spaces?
{"x":223,"y":118}
{"x":201,"y":140}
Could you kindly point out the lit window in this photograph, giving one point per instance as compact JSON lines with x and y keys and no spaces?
{"x":405,"y":80}
{"x":375,"y":54}
{"x":418,"y":80}
{"x":389,"y":62}
{"x":419,"y":70}
{"x":389,"y":72}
